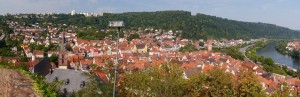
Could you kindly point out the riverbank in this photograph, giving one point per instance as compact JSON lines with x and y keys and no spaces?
{"x":278,"y":57}
{"x":281,"y":48}
{"x":267,"y":63}
{"x":273,"y":61}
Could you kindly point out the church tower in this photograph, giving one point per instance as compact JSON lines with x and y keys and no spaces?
{"x":62,"y":59}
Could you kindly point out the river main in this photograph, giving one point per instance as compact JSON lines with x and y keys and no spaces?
{"x":269,"y":51}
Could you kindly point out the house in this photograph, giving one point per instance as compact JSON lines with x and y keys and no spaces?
{"x":166,"y":47}
{"x":26,"y":40}
{"x":43,"y":68}
{"x":140,"y":48}
{"x":85,"y":64}
{"x":14,"y":49}
{"x":154,"y":51}
{"x":293,"y":45}
{"x":32,"y":40}
{"x":47,"y":42}
{"x":125,"y":49}
{"x":75,"y":61}
{"x":50,"y":53}
{"x":40,"y":42}
{"x":102,"y":76}
{"x":39,"y":53}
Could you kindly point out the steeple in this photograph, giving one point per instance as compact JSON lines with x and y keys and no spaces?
{"x":62,"y":44}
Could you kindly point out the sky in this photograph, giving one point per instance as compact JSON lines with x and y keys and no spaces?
{"x":284,"y":13}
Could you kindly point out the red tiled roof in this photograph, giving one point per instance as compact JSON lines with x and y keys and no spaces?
{"x":102,"y":76}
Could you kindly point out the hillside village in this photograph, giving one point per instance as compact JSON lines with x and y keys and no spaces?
{"x":293,"y":45}
{"x":151,"y":49}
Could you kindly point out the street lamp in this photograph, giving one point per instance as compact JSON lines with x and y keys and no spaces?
{"x":119,"y":25}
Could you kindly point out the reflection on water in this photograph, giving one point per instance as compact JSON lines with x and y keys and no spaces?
{"x":270,"y":52}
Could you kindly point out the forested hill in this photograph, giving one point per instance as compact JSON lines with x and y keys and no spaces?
{"x":201,"y":25}
{"x":193,"y":26}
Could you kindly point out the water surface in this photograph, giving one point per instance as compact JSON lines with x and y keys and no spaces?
{"x":269,"y":51}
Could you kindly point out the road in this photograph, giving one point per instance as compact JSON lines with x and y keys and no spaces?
{"x":243,"y":50}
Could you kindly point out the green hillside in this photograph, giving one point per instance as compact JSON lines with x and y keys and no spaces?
{"x":193,"y":26}
{"x":201,"y":25}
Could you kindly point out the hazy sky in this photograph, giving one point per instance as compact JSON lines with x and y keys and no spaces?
{"x":280,"y":12}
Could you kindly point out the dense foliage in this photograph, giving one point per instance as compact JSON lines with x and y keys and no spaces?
{"x":6,"y":45}
{"x":188,"y":48}
{"x":133,"y":36}
{"x":232,"y":51}
{"x":192,"y":26}
{"x":53,"y":58}
{"x":35,"y":46}
{"x":4,"y":28}
{"x":168,"y":81}
{"x":281,"y":47}
{"x":201,"y":26}
{"x":96,"y":34}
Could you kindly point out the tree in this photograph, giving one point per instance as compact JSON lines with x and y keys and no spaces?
{"x":295,"y":53}
{"x":53,"y":58}
{"x":2,"y":44}
{"x":32,"y":46}
{"x":198,"y":86}
{"x":215,"y":83}
{"x":220,"y":84}
{"x":233,"y":52}
{"x":188,"y":48}
{"x":201,"y":43}
{"x":133,"y":36}
{"x":24,"y":59}
{"x":163,"y":81}
{"x":248,"y":85}
{"x":94,"y":88}
{"x":283,"y":90}
{"x":69,"y":48}
{"x":269,"y":62}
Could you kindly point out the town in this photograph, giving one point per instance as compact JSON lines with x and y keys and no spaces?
{"x":136,"y":50}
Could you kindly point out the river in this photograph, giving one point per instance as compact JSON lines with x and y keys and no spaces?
{"x":269,"y":51}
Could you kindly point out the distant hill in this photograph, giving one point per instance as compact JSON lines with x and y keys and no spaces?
{"x":202,"y":26}
{"x":193,"y":26}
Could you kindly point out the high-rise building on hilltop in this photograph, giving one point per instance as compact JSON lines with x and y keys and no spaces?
{"x":73,"y":12}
